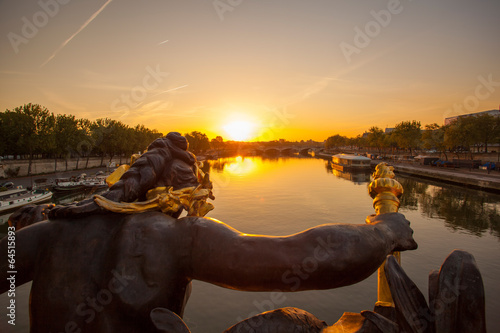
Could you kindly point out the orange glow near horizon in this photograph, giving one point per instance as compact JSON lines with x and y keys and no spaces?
{"x":225,"y":73}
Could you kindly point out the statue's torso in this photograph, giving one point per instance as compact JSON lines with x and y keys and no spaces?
{"x":95,"y":273}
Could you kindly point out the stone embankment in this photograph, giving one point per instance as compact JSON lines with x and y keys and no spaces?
{"x":47,"y":166}
{"x":472,"y":178}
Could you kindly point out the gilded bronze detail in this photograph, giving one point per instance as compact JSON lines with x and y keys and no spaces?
{"x":385,"y":191}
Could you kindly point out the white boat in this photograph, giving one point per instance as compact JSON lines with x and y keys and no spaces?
{"x":346,"y":162}
{"x":18,"y":197}
{"x":65,"y":184}
{"x":95,"y":182}
{"x":79,"y":183}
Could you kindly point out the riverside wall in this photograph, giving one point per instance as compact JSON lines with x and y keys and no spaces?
{"x":477,"y":179}
{"x":46,"y":166}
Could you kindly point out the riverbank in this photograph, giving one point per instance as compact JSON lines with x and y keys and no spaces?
{"x":478,"y":179}
{"x":470,"y":178}
{"x":49,"y":166}
{"x":28,"y":181}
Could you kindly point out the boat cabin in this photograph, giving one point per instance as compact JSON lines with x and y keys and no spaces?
{"x":346,"y":162}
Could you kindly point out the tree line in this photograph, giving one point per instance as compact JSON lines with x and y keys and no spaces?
{"x":32,"y":131}
{"x":463,"y":135}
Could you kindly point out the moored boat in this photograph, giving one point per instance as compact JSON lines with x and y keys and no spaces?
{"x":95,"y":182}
{"x":15,"y":198}
{"x":79,"y":183}
{"x":68,"y":184}
{"x":345,"y":162}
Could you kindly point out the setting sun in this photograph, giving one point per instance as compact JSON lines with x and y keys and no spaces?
{"x":239,"y":130}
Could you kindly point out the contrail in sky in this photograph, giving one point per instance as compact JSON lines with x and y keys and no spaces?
{"x":77,"y":32}
{"x":169,"y":90}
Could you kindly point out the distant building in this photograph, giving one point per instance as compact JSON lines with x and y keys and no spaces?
{"x":449,"y":120}
{"x":388,"y":130}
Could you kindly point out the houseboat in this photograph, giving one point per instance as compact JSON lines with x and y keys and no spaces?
{"x":346,"y":162}
{"x":12,"y":199}
{"x":79,"y":183}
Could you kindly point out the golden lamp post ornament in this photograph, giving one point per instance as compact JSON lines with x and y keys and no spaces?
{"x":385,"y":191}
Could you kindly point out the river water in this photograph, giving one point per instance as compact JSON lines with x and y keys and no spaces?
{"x":283,"y":196}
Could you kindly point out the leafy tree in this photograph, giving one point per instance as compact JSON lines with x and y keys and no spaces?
{"x":121,"y":137}
{"x":408,"y":134}
{"x":66,"y":137}
{"x":487,"y":129}
{"x":461,"y":135}
{"x":358,"y":142}
{"x":335,"y":141}
{"x":32,"y":130}
{"x":35,"y":125}
{"x":144,"y":137}
{"x":433,"y":137}
{"x":390,"y":141}
{"x":10,"y":133}
{"x":102,"y":130}
{"x":84,"y":141}
{"x":198,"y":142}
{"x":376,"y":138}
{"x":217,"y":143}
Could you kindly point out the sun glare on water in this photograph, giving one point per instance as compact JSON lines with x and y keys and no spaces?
{"x":239,"y":130}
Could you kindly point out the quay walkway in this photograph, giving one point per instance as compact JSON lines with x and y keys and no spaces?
{"x":471,"y":178}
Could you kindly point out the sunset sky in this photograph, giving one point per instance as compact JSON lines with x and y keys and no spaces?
{"x":253,"y":69}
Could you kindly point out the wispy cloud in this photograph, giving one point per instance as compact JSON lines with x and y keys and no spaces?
{"x":76,"y":33}
{"x":170,"y":90}
{"x":62,"y":103}
{"x":160,"y":43}
{"x":311,"y":89}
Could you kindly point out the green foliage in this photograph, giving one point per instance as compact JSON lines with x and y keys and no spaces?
{"x":460,"y":135}
{"x":376,"y":138}
{"x":198,"y":142}
{"x":433,"y":137}
{"x":408,"y":134}
{"x":31,"y":129}
{"x":66,"y":135}
{"x":487,"y":129}
{"x":336,"y":141}
{"x":358,"y":141}
{"x":478,"y":130}
{"x":217,"y":143}
{"x":26,"y":129}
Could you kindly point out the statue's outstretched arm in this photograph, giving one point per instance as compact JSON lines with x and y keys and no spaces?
{"x":19,"y":252}
{"x":324,"y":257}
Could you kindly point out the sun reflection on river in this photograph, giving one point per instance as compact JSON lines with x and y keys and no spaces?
{"x":238,"y":166}
{"x":241,"y":166}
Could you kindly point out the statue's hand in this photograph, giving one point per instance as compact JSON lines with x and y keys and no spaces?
{"x":29,"y":215}
{"x":397,"y":228}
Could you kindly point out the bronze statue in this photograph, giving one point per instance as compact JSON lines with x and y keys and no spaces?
{"x":106,"y":273}
{"x":100,"y":271}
